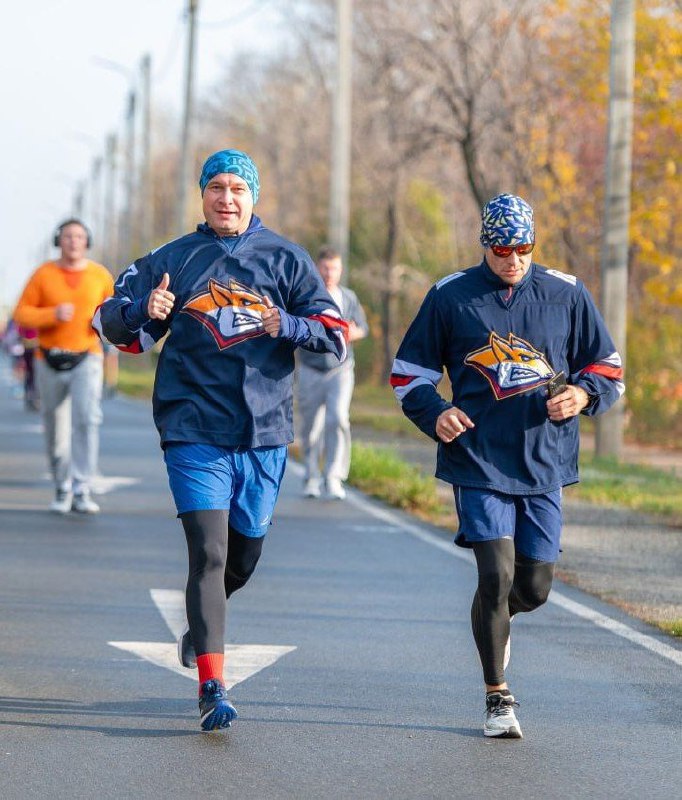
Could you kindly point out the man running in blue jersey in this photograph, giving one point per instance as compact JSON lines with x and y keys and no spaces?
{"x":505,"y":331}
{"x":237,"y":299}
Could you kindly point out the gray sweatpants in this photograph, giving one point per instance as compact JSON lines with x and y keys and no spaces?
{"x":72,"y":413}
{"x":324,"y":406}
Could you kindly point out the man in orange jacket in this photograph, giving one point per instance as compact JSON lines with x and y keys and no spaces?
{"x":60,"y":300}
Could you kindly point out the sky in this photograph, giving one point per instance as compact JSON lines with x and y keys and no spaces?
{"x":59,"y":102}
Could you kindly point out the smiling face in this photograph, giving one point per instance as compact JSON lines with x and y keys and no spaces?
{"x":228,"y":204}
{"x":511,"y":268}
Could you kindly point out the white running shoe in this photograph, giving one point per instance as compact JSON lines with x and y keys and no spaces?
{"x":335,"y":490}
{"x":500,"y":720}
{"x":312,"y":488}
{"x":62,"y":502}
{"x":84,"y":504}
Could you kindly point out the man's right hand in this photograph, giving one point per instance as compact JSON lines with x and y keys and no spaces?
{"x":451,"y":424}
{"x":161,"y":301}
{"x":64,"y":312}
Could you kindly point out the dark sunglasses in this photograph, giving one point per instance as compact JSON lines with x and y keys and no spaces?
{"x":504,"y":250}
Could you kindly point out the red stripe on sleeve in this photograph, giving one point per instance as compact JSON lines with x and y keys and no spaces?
{"x":135,"y":347}
{"x":607,"y":371}
{"x":332,"y":323}
{"x":401,"y":380}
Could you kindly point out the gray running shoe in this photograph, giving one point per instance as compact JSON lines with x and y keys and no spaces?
{"x":84,"y":504}
{"x":312,"y":488}
{"x":500,"y":720}
{"x":186,"y":655}
{"x":62,"y":502}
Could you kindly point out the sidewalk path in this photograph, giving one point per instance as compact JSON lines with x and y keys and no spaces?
{"x":628,"y":559}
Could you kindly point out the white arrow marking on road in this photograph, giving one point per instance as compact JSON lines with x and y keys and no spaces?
{"x":103,"y":484}
{"x":241,"y":660}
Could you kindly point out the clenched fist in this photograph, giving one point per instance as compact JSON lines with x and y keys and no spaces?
{"x":453,"y":422}
{"x":270,"y":317}
{"x":161,"y":301}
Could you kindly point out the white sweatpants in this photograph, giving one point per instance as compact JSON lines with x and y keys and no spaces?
{"x":72,"y":413}
{"x":324,"y":406}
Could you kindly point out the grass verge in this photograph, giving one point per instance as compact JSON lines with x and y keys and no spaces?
{"x":674,"y":628}
{"x":136,"y":383}
{"x":380,"y":473}
{"x":648,"y":490}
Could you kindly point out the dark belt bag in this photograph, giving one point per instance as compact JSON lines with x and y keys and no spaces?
{"x":62,"y":360}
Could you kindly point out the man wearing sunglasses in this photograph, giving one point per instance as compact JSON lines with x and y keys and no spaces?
{"x":507,"y":331}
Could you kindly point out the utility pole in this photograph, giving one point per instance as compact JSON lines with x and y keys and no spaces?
{"x":185,"y":163}
{"x":614,"y":258}
{"x":146,"y":190}
{"x":109,"y":227}
{"x":127,"y":221}
{"x":79,"y":200}
{"x":339,"y":188}
{"x":96,"y":205}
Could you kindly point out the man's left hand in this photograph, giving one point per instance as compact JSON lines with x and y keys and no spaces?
{"x":271,"y":319}
{"x":567,"y":404}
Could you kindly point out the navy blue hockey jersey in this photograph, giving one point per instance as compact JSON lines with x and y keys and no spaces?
{"x":500,"y":349}
{"x":220,"y":378}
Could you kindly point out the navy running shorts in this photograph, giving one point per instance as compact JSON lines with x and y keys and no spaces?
{"x":532,"y":521}
{"x":245,"y":482}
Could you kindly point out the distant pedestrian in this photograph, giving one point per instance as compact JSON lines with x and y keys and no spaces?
{"x":325,"y":389}
{"x":59,"y":300}
{"x":237,"y":300}
{"x":507,"y":331}
{"x":29,"y":340}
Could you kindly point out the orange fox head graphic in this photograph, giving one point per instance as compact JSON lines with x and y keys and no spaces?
{"x":232,"y":311}
{"x":511,"y":366}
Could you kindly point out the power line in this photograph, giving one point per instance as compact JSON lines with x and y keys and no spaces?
{"x":250,"y":11}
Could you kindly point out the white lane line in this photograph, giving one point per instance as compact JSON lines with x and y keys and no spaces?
{"x":556,"y":597}
{"x":618,"y":628}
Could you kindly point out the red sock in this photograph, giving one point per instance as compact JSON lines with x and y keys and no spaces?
{"x":210,"y":667}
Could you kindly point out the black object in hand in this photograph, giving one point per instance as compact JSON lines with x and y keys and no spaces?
{"x":556,"y":384}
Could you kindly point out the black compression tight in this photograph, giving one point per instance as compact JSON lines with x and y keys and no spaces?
{"x":508,"y":583}
{"x":221,"y":560}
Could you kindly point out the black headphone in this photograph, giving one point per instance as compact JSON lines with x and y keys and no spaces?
{"x":72,"y":221}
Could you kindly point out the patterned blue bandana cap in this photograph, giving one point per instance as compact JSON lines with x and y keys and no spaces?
{"x":507,"y":220}
{"x":236,"y":163}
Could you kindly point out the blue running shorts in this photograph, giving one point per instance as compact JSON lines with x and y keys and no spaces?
{"x":532,"y":521}
{"x":245,"y":482}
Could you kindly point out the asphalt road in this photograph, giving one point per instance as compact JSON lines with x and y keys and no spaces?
{"x":381,"y":697}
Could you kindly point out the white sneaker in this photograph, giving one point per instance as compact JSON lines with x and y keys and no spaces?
{"x":84,"y":504}
{"x":500,"y":720}
{"x":312,"y":488}
{"x":335,"y":490}
{"x":62,"y":502}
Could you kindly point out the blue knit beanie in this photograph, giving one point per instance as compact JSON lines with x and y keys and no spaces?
{"x":235,"y":163}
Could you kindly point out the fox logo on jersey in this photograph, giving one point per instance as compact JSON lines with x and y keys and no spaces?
{"x":232,"y":312}
{"x":511,"y":366}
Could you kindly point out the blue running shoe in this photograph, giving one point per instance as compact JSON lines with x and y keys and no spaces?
{"x":215,"y":709}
